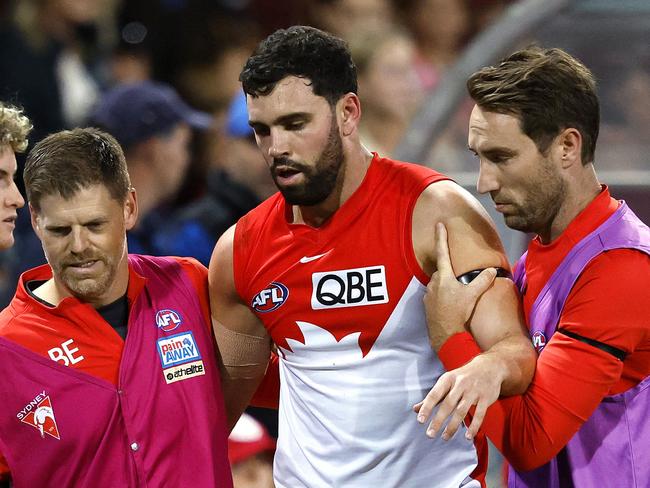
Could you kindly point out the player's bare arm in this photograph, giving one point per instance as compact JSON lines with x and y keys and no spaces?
{"x":488,"y":307}
{"x":243,"y":343}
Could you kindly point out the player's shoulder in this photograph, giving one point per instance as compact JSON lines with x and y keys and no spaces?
{"x":402,"y":171}
{"x":446,"y":199}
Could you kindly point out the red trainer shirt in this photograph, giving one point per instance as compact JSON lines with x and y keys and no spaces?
{"x":608,"y":303}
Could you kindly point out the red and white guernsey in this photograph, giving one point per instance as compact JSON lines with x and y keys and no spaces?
{"x":343,"y":303}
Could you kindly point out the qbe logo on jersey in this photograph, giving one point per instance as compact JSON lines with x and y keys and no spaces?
{"x":349,"y":288}
{"x":180,"y":357}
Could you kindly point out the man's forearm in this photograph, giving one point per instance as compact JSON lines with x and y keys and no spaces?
{"x":237,"y":394}
{"x":512,"y":357}
{"x":243,"y":359}
{"x":516,"y":357}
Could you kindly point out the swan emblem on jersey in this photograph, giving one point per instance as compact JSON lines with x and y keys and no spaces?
{"x":42,"y":417}
{"x":270,"y":298}
{"x":323,"y":346}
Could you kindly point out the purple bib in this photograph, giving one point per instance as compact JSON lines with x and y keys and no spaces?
{"x":611,"y":447}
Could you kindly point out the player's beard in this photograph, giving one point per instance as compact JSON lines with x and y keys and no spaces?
{"x":540,"y":202}
{"x":320,"y":179}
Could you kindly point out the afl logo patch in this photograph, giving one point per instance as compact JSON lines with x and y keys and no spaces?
{"x":539,"y":341}
{"x":270,"y":298}
{"x":168,"y":320}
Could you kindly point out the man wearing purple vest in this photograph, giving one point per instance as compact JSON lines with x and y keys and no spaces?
{"x":585,"y":283}
{"x":111,"y":377}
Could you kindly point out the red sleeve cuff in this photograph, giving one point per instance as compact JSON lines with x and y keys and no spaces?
{"x":458,"y":350}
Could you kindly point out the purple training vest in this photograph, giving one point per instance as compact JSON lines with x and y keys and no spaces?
{"x":611,"y":447}
{"x":154,"y":430}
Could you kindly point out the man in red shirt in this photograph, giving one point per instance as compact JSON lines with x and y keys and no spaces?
{"x":585,"y":283}
{"x":114,"y":378}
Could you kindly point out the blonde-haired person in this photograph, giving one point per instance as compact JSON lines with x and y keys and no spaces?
{"x":14,"y":128}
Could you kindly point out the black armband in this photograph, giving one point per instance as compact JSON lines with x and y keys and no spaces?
{"x":614,"y":351}
{"x":468,"y":277}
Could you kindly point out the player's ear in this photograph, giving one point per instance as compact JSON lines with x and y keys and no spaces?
{"x":348,"y":113}
{"x":569,"y":144}
{"x":130,"y":209}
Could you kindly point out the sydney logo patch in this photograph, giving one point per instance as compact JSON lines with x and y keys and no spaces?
{"x":270,"y":298}
{"x":168,"y":320}
{"x":39,"y":414}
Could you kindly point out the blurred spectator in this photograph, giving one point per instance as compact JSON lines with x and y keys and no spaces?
{"x":625,"y":135}
{"x":241,"y":158}
{"x":440,"y":29}
{"x":237,"y":181}
{"x":153,"y":125}
{"x":389,"y":88}
{"x":250,"y":450}
{"x":50,"y":59}
{"x":346,"y":18}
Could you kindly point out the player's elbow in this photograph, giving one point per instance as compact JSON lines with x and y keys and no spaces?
{"x":526,"y":366}
{"x":531,"y":456}
{"x":521,"y":366}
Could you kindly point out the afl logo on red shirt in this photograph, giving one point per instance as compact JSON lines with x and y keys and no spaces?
{"x":270,"y":298}
{"x":168,"y":320}
{"x":539,"y":341}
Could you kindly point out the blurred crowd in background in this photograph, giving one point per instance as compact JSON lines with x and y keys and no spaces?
{"x":162,"y":77}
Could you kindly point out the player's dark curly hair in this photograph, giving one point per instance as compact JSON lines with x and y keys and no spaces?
{"x":305,"y":52}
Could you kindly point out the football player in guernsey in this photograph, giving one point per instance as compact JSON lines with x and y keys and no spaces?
{"x":333,"y":269}
{"x":585,"y":281}
{"x":111,"y":373}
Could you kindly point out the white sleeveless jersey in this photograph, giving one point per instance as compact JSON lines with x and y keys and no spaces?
{"x":344,"y":305}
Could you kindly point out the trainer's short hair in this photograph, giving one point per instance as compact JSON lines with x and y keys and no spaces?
{"x":305,"y":52}
{"x":68,"y":161}
{"x":14,"y":127}
{"x":547,"y":89}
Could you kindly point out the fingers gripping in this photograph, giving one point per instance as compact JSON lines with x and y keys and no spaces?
{"x":482,"y":282}
{"x":443,"y":261}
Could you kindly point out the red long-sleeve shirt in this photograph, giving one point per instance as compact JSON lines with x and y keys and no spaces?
{"x":608,"y":303}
